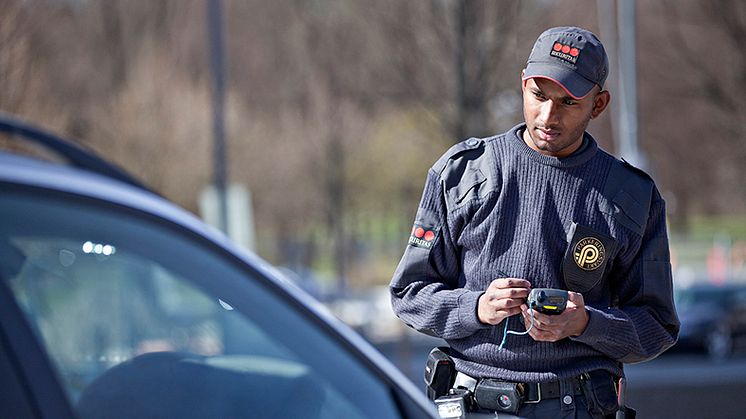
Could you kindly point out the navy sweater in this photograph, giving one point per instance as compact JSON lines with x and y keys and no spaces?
{"x":496,"y":208}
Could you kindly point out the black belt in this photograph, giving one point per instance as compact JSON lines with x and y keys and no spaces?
{"x":533,"y":392}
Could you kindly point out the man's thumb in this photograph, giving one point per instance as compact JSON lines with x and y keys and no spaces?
{"x":575,"y":297}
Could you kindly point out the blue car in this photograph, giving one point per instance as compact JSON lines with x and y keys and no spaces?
{"x":713,"y":318}
{"x":115,"y":303}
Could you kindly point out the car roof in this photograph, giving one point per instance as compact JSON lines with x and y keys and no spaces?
{"x":73,"y":153}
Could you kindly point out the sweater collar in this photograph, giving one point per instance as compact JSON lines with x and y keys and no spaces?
{"x":586,"y":151}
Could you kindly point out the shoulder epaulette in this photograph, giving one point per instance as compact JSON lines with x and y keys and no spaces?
{"x":455,"y":151}
{"x":631,"y":190}
{"x":636,"y":169}
{"x":466,"y":172}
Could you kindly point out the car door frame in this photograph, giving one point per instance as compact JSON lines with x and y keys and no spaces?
{"x":29,"y":374}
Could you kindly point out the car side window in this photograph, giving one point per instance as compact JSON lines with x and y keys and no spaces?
{"x":141,"y":318}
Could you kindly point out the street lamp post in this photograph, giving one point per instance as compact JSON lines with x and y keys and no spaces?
{"x":220,"y":165}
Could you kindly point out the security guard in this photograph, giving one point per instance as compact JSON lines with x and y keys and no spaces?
{"x":540,"y":206}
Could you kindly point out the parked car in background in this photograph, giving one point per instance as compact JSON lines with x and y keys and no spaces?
{"x":114,"y":303}
{"x":713,"y":318}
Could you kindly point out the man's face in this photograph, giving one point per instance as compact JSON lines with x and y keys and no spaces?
{"x":555,"y":121}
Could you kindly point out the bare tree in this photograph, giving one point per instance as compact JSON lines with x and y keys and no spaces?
{"x":335,"y":115}
{"x":694,"y":121}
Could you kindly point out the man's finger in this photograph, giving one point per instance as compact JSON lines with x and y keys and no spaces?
{"x":576,"y":298}
{"x":501,"y":283}
{"x":506,"y":303}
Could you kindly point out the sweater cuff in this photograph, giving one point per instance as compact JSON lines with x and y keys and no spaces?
{"x":467,"y":311}
{"x":595,"y":330}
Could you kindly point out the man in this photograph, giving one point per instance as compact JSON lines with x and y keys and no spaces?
{"x":541,"y":206}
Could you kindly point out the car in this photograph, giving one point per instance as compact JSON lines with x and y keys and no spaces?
{"x":116,"y":303}
{"x":713,"y":318}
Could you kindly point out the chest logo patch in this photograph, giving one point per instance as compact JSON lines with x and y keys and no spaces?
{"x":589,"y":253}
{"x":423,"y":236}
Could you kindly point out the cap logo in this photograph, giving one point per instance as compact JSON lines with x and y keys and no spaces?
{"x":565,"y":52}
{"x":589,"y":253}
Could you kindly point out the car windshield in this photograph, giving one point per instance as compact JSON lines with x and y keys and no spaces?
{"x":141,"y":318}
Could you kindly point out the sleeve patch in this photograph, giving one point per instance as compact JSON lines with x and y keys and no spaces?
{"x":423,"y":235}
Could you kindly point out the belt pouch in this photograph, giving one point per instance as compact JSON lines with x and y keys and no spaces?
{"x":600,"y":392}
{"x":499,"y":396}
{"x":440,"y":372}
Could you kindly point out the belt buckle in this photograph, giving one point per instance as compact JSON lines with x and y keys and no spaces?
{"x":538,"y":393}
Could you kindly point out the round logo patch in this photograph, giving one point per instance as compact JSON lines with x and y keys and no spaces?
{"x":589,"y":253}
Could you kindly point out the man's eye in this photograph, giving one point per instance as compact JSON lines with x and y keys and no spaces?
{"x":569,"y":102}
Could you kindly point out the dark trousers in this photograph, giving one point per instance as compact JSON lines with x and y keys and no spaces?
{"x":568,"y":406}
{"x":545,"y":409}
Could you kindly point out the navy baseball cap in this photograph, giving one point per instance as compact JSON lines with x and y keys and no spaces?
{"x":572,"y":57}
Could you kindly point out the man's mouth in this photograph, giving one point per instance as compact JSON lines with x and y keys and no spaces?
{"x":548,"y":134}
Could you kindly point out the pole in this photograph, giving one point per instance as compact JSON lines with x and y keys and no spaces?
{"x":609,"y":34}
{"x":215,"y":25}
{"x":628,"y":84}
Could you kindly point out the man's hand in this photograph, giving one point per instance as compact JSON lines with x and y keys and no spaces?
{"x":503,"y":298}
{"x":551,"y":328}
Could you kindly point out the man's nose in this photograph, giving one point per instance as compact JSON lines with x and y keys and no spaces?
{"x":549,"y":112}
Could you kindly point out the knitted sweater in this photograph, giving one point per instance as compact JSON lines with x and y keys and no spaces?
{"x":496,"y":208}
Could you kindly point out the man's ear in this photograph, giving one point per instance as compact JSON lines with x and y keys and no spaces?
{"x":600,"y":102}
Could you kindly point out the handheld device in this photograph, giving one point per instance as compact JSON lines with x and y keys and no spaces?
{"x":547,"y":300}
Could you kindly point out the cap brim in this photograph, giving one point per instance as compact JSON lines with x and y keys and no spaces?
{"x":575,"y":85}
